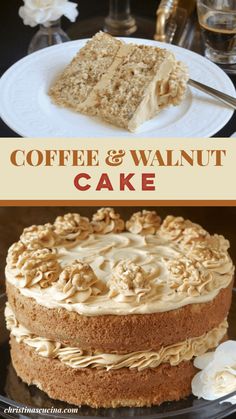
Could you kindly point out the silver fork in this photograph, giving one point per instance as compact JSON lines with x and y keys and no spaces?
{"x":223,"y":97}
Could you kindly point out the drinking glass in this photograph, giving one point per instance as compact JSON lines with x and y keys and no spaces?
{"x":119,"y":20}
{"x":217,"y":19}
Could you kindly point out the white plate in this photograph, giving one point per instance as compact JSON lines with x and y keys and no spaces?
{"x":27,"y":109}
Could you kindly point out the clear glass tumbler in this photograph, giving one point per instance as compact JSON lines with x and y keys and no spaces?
{"x":217,"y":19}
{"x":119,"y":20}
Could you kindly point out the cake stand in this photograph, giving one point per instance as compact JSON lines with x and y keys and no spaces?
{"x":15,"y":394}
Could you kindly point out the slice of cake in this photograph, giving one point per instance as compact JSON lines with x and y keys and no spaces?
{"x":107,"y":313}
{"x":75,"y":84}
{"x":124,"y":84}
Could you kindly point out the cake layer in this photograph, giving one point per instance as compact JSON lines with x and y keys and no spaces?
{"x":75,"y":84}
{"x":76,"y":358}
{"x":147,"y":81}
{"x":101,"y":388}
{"x":120,"y":334}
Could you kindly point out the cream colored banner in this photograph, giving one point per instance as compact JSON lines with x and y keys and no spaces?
{"x":117,"y":169}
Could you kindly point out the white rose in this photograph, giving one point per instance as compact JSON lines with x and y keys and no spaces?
{"x":35,"y":12}
{"x":218,"y":375}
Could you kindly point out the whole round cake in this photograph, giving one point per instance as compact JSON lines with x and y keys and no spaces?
{"x":109,"y":313}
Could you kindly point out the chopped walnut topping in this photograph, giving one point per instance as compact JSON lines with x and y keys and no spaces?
{"x":211,"y":255}
{"x":80,"y":274}
{"x":14,"y":252}
{"x":72,"y":227}
{"x":188,"y":276}
{"x":129,"y":280}
{"x":182,"y":231}
{"x":171,"y":90}
{"x":38,"y":267}
{"x":144,"y":222}
{"x":218,"y":242}
{"x":106,"y":220}
{"x":78,"y":281}
{"x":203,"y":253}
{"x":36,"y":237}
{"x":178,"y":83}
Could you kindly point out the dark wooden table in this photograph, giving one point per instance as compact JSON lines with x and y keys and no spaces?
{"x":15,"y":37}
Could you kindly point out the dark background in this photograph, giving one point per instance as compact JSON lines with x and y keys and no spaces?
{"x":15,"y":36}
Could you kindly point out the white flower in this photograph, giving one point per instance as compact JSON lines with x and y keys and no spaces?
{"x":35,"y":12}
{"x":218,"y":375}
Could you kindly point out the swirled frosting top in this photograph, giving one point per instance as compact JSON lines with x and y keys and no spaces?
{"x":98,"y":267}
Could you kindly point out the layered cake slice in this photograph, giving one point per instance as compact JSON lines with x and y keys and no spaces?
{"x":107,"y":313}
{"x":132,"y":84}
{"x":75,"y":84}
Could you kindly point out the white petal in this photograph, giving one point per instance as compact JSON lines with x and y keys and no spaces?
{"x":27,"y":19}
{"x":203,"y":390}
{"x":40,"y":16}
{"x":203,"y":361}
{"x":70,"y":11}
{"x":232,"y":370}
{"x":52,"y":15}
{"x":218,"y":375}
{"x":43,"y":11}
{"x":226,"y":353}
{"x":197,"y":385}
{"x":30,"y":4}
{"x":60,"y":3}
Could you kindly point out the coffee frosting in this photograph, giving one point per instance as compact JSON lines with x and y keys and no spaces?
{"x":71,"y":227}
{"x":38,"y":236}
{"x":76,"y":358}
{"x":106,"y":220}
{"x":178,"y":264}
{"x":184,"y":232}
{"x":144,"y":222}
{"x":38,"y":266}
{"x":77,"y":282}
{"x":129,"y":282}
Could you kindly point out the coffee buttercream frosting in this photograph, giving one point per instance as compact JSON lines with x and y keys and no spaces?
{"x":77,"y":282}
{"x":144,"y":222}
{"x":72,"y":227}
{"x":129,"y":282}
{"x":106,"y":220}
{"x":182,"y":231}
{"x":98,"y":268}
{"x":39,"y":267}
{"x":36,"y":237}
